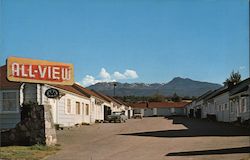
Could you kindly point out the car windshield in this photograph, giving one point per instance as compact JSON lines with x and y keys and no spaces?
{"x":116,"y":113}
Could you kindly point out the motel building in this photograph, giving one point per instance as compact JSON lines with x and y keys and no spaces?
{"x":97,"y":104}
{"x":73,"y":104}
{"x":150,"y":109}
{"x":120,"y":106}
{"x":25,"y":81}
{"x":111,"y":105}
{"x":10,"y":100}
{"x":226,"y":104}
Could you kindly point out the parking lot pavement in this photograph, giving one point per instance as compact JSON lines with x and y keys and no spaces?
{"x":155,"y":138}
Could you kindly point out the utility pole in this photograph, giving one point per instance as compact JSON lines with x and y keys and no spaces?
{"x":114,"y":88}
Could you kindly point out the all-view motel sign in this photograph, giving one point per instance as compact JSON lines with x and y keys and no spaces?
{"x":39,"y":71}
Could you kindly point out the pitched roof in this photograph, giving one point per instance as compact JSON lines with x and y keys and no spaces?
{"x":4,"y":82}
{"x":159,"y":104}
{"x":86,"y":91}
{"x":240,"y":87}
{"x":243,"y":89}
{"x":108,"y":99}
{"x":203,"y":96}
{"x":80,"y":90}
{"x":70,"y":89}
{"x":139,"y":105}
{"x":217,"y":92}
{"x":116,"y":100}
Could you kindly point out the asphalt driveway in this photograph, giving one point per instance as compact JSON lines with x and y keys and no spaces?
{"x":154,"y":138}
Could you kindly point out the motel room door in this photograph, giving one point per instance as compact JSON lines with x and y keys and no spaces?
{"x":128,"y":114}
{"x":107,"y":111}
{"x":172,"y":110}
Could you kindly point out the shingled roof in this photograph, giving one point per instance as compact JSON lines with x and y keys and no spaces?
{"x":87,"y":91}
{"x":240,"y":87}
{"x":115,"y":100}
{"x":203,"y":96}
{"x":71,"y":89}
{"x":108,"y":99}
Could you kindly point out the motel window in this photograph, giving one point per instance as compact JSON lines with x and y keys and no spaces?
{"x":219,"y":108}
{"x":225,"y":106}
{"x":9,"y":101}
{"x":68,"y":109}
{"x":243,"y":105}
{"x":78,"y":108}
{"x":82,"y":108}
{"x":231,"y":106}
{"x":87,"y":109}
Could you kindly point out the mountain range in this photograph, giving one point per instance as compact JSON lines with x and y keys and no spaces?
{"x":180,"y":86}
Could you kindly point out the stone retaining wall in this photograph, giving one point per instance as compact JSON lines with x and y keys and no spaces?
{"x":36,"y":127}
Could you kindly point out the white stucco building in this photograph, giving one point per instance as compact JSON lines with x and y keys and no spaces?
{"x":75,"y":105}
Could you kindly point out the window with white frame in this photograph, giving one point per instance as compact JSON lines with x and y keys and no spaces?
{"x":78,"y":108}
{"x":68,"y":106}
{"x":243,"y":105}
{"x":9,"y":101}
{"x":87,"y":109}
{"x":225,"y":106}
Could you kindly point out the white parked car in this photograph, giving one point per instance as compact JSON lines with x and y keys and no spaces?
{"x":117,"y":117}
{"x":137,"y":115}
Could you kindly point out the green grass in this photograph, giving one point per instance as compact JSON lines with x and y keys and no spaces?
{"x":35,"y":152}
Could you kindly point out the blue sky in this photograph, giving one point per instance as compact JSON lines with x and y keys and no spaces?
{"x":131,"y":40}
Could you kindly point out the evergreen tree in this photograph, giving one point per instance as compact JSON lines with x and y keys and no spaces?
{"x":234,"y":79}
{"x":176,"y":98}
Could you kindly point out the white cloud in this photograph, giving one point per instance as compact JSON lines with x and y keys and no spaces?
{"x":130,"y":74}
{"x":105,"y":76}
{"x":89,"y":80}
{"x":118,"y":75}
